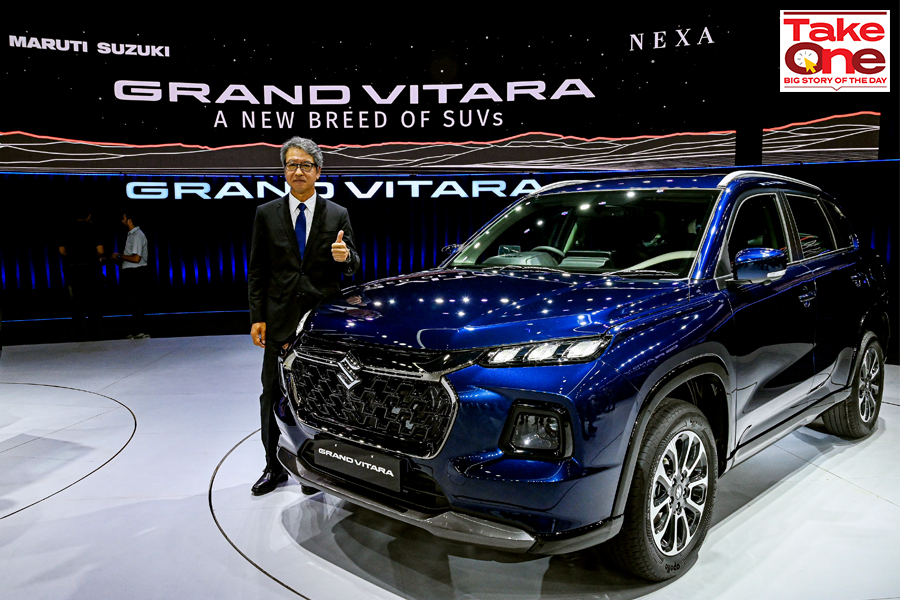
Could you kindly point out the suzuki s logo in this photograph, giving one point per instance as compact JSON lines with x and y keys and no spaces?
{"x":348,"y":368}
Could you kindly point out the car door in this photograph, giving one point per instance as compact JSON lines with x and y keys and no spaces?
{"x":841,"y":288}
{"x":772,"y":340}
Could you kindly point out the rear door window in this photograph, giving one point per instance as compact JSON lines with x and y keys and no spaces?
{"x":843,"y":232}
{"x":812,"y":225}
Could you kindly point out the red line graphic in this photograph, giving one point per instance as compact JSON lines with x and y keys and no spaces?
{"x":856,"y":114}
{"x":471,"y":142}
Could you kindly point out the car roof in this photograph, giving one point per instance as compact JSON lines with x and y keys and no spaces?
{"x":679,"y":181}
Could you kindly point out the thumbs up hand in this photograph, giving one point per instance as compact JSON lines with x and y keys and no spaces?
{"x":339,"y":249}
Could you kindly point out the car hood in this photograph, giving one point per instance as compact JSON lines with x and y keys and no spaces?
{"x":460,"y":309}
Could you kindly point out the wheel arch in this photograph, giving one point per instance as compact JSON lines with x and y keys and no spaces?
{"x":878,"y":322}
{"x":719,"y":412}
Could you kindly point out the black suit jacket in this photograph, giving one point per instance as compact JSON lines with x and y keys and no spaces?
{"x":281,"y":288}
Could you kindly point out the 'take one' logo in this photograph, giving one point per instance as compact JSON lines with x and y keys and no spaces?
{"x":835,"y":50}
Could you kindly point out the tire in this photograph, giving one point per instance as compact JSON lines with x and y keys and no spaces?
{"x":856,"y":416}
{"x":667,"y":514}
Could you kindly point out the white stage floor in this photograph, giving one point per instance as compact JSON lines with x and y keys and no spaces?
{"x":126,"y":466}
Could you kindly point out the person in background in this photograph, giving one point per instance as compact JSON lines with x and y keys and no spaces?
{"x":81,"y":251}
{"x":135,"y":276}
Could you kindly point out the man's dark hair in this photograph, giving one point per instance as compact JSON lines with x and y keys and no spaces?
{"x":304,"y":144}
{"x":134,"y":216}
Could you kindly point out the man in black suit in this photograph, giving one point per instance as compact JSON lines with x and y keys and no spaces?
{"x":301,"y":246}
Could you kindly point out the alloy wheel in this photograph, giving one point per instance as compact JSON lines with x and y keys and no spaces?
{"x":679,"y":493}
{"x":871,"y":378}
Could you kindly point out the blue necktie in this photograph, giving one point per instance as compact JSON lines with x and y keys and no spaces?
{"x":300,"y":230}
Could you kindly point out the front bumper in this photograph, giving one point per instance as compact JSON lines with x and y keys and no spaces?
{"x":453,"y":525}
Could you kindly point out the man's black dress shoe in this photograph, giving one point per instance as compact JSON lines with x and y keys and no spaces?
{"x":308,"y":490}
{"x":268,"y":482}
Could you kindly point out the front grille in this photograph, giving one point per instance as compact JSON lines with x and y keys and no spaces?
{"x":406,"y":413}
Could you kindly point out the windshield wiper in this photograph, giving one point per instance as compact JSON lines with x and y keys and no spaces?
{"x":644,"y":273}
{"x":526,"y":268}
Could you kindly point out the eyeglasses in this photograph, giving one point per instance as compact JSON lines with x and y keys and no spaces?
{"x":306,"y":167}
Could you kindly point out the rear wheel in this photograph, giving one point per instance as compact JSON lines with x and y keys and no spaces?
{"x":855,"y":417}
{"x":670,"y":503}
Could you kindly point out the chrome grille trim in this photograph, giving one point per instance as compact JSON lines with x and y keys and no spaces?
{"x":423,"y":375}
{"x":334,"y":363}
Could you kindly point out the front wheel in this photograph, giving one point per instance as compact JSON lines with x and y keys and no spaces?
{"x":855,"y":417}
{"x":670,"y":503}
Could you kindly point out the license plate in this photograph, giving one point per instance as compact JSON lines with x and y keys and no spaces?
{"x":358,"y":463}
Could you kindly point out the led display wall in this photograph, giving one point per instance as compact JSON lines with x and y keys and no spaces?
{"x":673,"y":89}
{"x":427,"y":132}
{"x":199,"y":226}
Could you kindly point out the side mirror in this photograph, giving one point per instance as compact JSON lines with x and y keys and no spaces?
{"x":451,"y":249}
{"x":757,"y":265}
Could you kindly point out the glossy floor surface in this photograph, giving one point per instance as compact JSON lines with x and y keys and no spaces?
{"x":126,"y":466}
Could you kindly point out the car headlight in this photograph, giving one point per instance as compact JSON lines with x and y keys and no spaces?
{"x":547,"y":353}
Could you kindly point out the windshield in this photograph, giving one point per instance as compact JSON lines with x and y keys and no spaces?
{"x":652,"y":233}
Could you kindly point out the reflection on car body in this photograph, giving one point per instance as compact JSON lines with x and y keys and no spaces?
{"x":586,"y":366}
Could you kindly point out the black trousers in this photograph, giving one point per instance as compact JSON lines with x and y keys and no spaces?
{"x":270,"y":396}
{"x":83,"y":285}
{"x":136,"y":288}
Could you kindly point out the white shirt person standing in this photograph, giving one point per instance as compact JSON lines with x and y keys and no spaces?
{"x":135,"y":276}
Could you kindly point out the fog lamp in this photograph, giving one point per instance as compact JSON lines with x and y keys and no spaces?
{"x":535,"y":432}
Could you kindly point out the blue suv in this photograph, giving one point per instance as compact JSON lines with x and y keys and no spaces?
{"x":586,"y":366}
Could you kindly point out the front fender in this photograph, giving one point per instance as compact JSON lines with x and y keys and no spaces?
{"x":655,"y":390}
{"x":657,"y":355}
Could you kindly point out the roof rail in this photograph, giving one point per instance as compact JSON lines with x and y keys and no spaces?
{"x":558,"y":184}
{"x":738,"y":174}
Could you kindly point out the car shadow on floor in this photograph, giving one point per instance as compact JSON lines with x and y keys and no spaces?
{"x":412,"y":563}
{"x":30,"y":468}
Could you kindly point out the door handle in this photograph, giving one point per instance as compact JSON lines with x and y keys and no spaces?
{"x":807,"y":297}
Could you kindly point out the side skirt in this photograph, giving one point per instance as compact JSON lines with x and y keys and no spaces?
{"x":772,"y":435}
